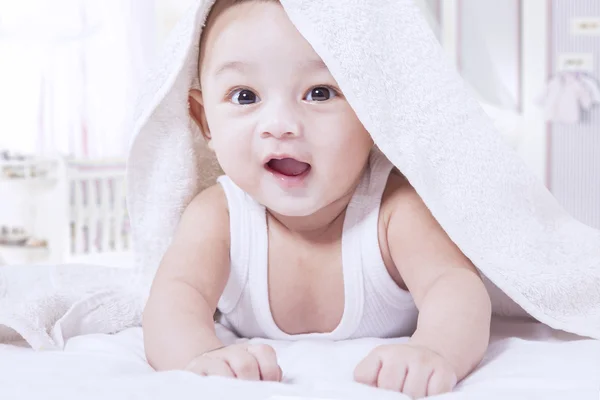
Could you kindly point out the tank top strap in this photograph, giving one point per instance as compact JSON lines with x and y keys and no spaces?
{"x":239,"y":228}
{"x":378,"y":174}
{"x":369,"y":195}
{"x":362,"y":208}
{"x":366,"y":199}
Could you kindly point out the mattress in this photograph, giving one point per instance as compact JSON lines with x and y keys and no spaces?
{"x":525,"y":360}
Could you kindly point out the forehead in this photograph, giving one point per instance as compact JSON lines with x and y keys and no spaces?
{"x":252,"y":32}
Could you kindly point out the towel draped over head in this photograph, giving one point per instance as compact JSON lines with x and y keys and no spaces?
{"x":421,"y":115}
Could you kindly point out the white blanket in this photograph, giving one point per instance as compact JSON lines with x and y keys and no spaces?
{"x":47,"y":305}
{"x":525,"y":361}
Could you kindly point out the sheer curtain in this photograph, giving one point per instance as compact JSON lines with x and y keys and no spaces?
{"x":69,"y":74}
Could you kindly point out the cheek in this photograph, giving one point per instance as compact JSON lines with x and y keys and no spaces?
{"x":340,"y":127}
{"x":225,"y":133}
{"x":233,"y":150}
{"x":348,"y":149}
{"x":230,"y":151}
{"x":346,"y":138}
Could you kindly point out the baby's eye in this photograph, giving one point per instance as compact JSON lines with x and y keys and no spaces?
{"x":321,"y":93}
{"x":244,"y":97}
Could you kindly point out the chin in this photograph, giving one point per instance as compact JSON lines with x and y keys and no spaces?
{"x":293,"y":210}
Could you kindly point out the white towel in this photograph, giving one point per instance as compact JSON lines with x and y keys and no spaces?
{"x":395,"y":75}
{"x":46,"y":305}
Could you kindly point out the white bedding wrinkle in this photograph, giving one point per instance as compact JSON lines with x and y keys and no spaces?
{"x":525,"y":360}
{"x":47,"y":305}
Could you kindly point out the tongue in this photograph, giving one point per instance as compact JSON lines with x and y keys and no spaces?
{"x":288,"y":167}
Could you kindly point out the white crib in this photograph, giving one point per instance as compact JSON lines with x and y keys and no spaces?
{"x":78,"y":207}
{"x":97,"y":214}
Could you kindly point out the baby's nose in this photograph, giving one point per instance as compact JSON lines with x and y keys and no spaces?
{"x":279,"y":134}
{"x":281,"y":123}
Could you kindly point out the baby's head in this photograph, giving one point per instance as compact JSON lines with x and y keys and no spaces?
{"x":272,"y":112}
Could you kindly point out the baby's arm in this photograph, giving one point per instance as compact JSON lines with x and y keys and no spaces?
{"x":178,"y":319}
{"x":453,"y":326}
{"x":454,"y":305}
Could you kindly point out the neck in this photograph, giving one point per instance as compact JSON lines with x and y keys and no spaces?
{"x":319,"y":225}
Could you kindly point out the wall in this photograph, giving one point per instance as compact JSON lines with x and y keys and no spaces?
{"x":574,"y":150}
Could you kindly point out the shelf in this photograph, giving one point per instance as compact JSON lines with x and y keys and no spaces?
{"x":17,"y":255}
{"x":31,"y":170}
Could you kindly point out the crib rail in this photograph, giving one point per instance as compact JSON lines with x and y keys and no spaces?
{"x":99,"y":222}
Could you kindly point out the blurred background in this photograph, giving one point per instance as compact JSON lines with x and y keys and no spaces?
{"x":70,"y":71}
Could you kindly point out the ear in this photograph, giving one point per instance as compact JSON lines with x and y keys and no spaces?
{"x":198,"y":114}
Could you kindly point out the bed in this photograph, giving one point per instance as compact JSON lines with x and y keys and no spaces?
{"x":526,"y":360}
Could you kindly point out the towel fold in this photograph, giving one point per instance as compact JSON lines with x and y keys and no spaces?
{"x":46,"y":305}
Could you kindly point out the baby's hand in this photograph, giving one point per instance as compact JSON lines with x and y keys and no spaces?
{"x":411,"y":369}
{"x":242,"y":361}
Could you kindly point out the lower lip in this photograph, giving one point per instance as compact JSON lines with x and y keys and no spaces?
{"x":287,"y":181}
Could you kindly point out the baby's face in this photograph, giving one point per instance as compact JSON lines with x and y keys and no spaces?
{"x":276,"y":119}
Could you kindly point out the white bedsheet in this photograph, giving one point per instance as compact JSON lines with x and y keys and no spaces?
{"x":536,"y":362}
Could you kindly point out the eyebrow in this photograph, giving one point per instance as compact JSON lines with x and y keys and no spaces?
{"x":242,"y":67}
{"x":232,"y":66}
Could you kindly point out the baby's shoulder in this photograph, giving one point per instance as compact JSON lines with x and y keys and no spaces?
{"x":401,"y":200}
{"x":204,"y":222}
{"x":398,"y":193}
{"x":210,"y":203}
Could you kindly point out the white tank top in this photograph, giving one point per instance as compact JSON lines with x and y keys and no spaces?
{"x":374,"y":305}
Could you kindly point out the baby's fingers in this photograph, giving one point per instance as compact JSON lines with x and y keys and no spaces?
{"x":416,"y":382}
{"x":244,"y":365}
{"x":367,"y":371}
{"x":205,"y":366}
{"x":267,"y":362}
{"x":218,"y":368}
{"x":441,"y":382}
{"x":392,"y":376}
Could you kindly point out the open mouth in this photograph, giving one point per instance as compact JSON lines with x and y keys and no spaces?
{"x":288,"y":167}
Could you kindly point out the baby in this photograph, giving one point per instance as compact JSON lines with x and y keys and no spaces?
{"x":310,"y":233}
